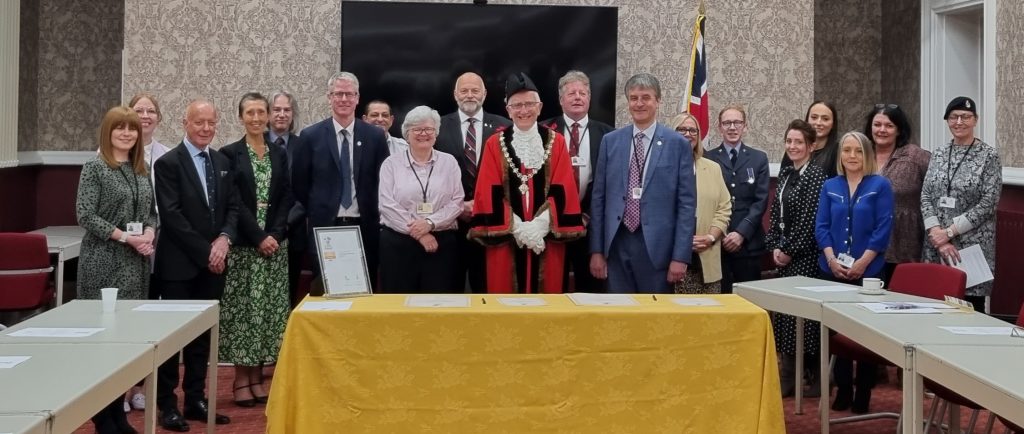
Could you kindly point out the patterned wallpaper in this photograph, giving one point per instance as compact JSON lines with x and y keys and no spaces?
{"x":1010,"y":83}
{"x":760,"y":56}
{"x":901,"y":59}
{"x":847,"y":58}
{"x":28,"y":71}
{"x":75,"y":50}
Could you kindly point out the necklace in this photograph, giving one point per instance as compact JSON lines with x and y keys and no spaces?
{"x":524,"y":178}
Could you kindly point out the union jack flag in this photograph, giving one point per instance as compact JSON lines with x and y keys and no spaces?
{"x":696,"y":102}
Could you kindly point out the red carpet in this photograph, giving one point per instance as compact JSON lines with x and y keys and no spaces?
{"x":886,"y":397}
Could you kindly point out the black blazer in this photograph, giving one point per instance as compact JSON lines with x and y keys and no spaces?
{"x":316,"y":172}
{"x":748,"y":184}
{"x":187,"y":229}
{"x":595,"y":131}
{"x":450,"y":140}
{"x":281,"y":200}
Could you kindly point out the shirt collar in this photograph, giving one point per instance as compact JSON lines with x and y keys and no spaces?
{"x":648,"y":132}
{"x":583,"y":122}
{"x":729,"y":147}
{"x":338,"y":127}
{"x":479,"y":116}
{"x":192,"y":149}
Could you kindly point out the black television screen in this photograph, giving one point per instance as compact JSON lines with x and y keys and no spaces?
{"x":410,"y":54}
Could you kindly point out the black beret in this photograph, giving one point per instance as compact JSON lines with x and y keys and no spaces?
{"x":961,"y":103}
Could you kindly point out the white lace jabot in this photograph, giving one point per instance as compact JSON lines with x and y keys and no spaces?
{"x":529,"y":146}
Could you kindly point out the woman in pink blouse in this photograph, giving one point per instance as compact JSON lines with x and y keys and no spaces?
{"x":420,"y":197}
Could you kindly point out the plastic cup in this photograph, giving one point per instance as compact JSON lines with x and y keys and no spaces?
{"x":109,"y":299}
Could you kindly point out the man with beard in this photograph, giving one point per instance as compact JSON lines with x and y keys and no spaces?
{"x":463,"y":134}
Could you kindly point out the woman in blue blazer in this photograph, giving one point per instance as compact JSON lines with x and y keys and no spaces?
{"x":852,"y":228}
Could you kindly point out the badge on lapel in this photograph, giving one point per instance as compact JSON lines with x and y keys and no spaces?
{"x":359,"y":143}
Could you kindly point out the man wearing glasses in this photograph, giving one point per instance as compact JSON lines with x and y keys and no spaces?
{"x":745,"y":170}
{"x":335,"y":172}
{"x":463,"y":134}
{"x":527,"y":205}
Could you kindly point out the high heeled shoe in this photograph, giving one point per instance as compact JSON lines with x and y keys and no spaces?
{"x":251,"y":402}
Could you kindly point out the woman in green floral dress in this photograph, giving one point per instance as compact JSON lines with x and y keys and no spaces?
{"x":115,"y":207}
{"x":255,"y":304}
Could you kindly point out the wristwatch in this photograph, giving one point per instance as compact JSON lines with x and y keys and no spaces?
{"x":124,"y":237}
{"x":949,"y":233}
{"x":713,"y":239}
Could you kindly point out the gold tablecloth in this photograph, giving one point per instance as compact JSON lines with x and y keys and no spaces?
{"x":659,"y":367}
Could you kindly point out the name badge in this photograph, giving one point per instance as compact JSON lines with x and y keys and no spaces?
{"x":579,"y":162}
{"x":845,"y":260}
{"x":637,"y":192}
{"x":425,"y":208}
{"x":134,"y":228}
{"x":947,"y":202}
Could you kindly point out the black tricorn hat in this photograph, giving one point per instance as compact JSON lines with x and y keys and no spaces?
{"x":518,"y":82}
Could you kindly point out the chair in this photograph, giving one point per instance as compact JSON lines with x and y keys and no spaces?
{"x":921,"y":279}
{"x":24,"y":273}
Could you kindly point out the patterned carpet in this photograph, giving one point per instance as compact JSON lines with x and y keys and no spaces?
{"x":886,"y":397}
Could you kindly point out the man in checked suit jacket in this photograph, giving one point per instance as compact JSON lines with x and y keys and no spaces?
{"x":454,"y":137}
{"x":747,"y":179}
{"x":574,"y":97}
{"x":643,"y":210}
{"x":198,"y":212}
{"x":340,"y":188}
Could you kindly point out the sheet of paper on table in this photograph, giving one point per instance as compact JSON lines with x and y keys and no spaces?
{"x":696,"y":301}
{"x":897,"y":307}
{"x":522,"y":301}
{"x":437,"y":301}
{"x":588,"y":299}
{"x":828,"y":288}
{"x":326,"y":305}
{"x":172,"y":307}
{"x":56,"y":332}
{"x":8,"y":362}
{"x":978,"y":331}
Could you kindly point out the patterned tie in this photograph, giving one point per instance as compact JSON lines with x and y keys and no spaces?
{"x":574,"y":149}
{"x":211,"y":188}
{"x":631,"y":215}
{"x":470,"y":148}
{"x":346,"y":172}
{"x":732,"y":156}
{"x":279,"y":142}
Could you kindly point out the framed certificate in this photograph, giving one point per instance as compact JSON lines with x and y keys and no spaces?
{"x":342,"y":261}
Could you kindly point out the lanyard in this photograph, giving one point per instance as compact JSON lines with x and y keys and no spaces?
{"x":135,"y":191}
{"x":782,"y":190}
{"x":952,"y":174}
{"x":423,"y":187}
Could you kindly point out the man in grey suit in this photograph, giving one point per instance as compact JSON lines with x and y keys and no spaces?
{"x":463,"y":134}
{"x":745,"y":171}
{"x":643,"y":206}
{"x":583,"y":137}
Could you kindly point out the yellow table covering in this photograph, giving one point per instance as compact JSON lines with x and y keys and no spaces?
{"x":658,"y":367}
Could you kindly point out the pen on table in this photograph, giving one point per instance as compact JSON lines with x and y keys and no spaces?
{"x":483,"y":300}
{"x":654,"y":297}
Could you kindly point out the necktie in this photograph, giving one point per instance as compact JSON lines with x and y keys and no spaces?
{"x":470,"y":148}
{"x":346,"y":172}
{"x":732,"y":156}
{"x":574,"y":149}
{"x":279,"y":142}
{"x":211,"y":189}
{"x":631,"y":214}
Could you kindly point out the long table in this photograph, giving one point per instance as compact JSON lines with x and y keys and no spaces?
{"x":69,"y":384}
{"x":988,"y":375}
{"x":166,"y":332}
{"x":66,"y":243}
{"x":24,"y":423}
{"x":558,"y":368}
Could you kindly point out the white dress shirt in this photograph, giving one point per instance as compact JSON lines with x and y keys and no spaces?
{"x":352,"y":211}
{"x":585,"y":170}
{"x":478,"y":128}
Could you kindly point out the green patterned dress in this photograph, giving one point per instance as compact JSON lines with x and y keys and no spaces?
{"x":255,"y":305}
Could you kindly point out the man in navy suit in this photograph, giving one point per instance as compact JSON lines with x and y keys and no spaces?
{"x":199,"y":215}
{"x":583,"y":137}
{"x":745,"y":170}
{"x":643,"y":209}
{"x":336,"y":169}
{"x":281,"y":131}
{"x":463,"y":134}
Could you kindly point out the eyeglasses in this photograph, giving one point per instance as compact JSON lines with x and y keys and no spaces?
{"x":423,"y":131}
{"x":960,"y":118}
{"x":143,"y":111}
{"x":733,"y":124}
{"x":343,"y":95}
{"x":687,"y":131}
{"x":523,"y":105}
{"x":886,"y":106}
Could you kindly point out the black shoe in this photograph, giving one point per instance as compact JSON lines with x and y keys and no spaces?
{"x":199,"y":411}
{"x":247,"y":403}
{"x":259,"y":399}
{"x":842,"y":401}
{"x":861,"y":400}
{"x":123,"y":427}
{"x":173,"y":421}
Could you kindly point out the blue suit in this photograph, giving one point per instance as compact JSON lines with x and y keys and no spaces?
{"x":667,"y":209}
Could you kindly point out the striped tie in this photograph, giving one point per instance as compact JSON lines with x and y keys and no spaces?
{"x":470,"y":148}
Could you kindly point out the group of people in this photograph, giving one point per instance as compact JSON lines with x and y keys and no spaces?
{"x":855,"y":206}
{"x":506,"y":205}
